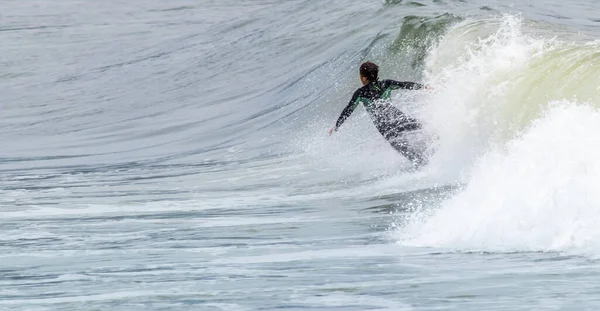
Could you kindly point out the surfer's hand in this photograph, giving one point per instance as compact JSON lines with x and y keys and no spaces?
{"x":331,"y":130}
{"x":429,"y":87}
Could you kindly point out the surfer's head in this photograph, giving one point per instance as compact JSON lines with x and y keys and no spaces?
{"x":368,"y":72}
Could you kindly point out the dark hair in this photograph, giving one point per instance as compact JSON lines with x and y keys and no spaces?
{"x":370,"y":71}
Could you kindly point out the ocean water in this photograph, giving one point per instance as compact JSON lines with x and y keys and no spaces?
{"x":174,"y":155}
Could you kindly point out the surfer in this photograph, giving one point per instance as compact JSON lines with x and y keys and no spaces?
{"x":389,"y":120}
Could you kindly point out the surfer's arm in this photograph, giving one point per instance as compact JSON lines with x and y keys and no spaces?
{"x":404,"y":85}
{"x":347,"y":111}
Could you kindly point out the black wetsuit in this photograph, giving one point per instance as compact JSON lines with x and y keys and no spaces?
{"x":389,"y":120}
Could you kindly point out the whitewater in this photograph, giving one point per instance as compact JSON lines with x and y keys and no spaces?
{"x":176,"y":156}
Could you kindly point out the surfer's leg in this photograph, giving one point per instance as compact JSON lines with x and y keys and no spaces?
{"x":394,"y":132}
{"x":394,"y":136}
{"x":408,"y":124}
{"x":404,"y":149}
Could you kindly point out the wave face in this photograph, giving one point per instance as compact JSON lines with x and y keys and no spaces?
{"x":524,"y":107}
{"x":176,"y":155}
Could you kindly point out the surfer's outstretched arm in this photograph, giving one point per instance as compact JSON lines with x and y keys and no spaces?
{"x":404,"y":85}
{"x":347,"y":111}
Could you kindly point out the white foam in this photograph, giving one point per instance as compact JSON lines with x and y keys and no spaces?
{"x":539,"y":193}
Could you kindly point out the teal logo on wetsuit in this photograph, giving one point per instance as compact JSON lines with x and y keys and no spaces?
{"x":369,"y":103}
